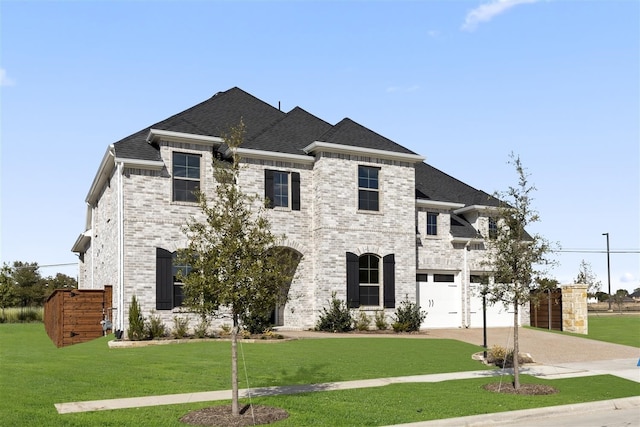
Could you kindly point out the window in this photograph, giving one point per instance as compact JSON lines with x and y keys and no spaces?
{"x":493,"y":228}
{"x":477,"y":278}
{"x":282,"y":189}
{"x":186,"y":177}
{"x":432,"y":224}
{"x":368,"y":188}
{"x":444,"y":278}
{"x":369,"y":280}
{"x":169,"y":288}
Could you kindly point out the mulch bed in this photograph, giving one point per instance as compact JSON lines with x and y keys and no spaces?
{"x":220,"y":416}
{"x":525,"y":389}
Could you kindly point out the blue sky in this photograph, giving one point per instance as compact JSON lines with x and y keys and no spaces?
{"x":463,"y":83}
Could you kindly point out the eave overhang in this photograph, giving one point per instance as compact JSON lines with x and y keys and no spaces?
{"x":476,"y":208}
{"x":168,"y":135}
{"x":82,"y":242}
{"x":361,"y":151}
{"x":435,"y":204}
{"x":269,"y":155}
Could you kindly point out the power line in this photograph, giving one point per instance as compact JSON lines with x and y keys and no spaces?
{"x":601,"y":251}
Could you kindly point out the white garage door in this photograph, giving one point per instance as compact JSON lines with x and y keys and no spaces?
{"x":497,"y":314}
{"x":439,"y":295}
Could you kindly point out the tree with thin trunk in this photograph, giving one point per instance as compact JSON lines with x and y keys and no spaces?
{"x":518,"y":260}
{"x":586,"y":276}
{"x":237,"y":265}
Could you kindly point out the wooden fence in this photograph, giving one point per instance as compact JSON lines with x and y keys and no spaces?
{"x":73,"y":316}
{"x":546,"y":309}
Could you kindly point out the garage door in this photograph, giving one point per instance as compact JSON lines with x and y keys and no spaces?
{"x":439,"y":295}
{"x":497,"y":314}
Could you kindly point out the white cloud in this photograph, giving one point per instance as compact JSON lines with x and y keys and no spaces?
{"x":4,"y":79}
{"x":627,"y":278}
{"x":486,"y":12}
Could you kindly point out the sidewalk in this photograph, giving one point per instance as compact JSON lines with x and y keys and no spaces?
{"x":558,"y":356}
{"x":544,"y":371}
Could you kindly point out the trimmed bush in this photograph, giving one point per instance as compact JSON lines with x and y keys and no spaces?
{"x":337,"y":318}
{"x":363,"y":321}
{"x":136,"y":331}
{"x":409,"y":317}
{"x":381,"y":320}
{"x":155,"y":328}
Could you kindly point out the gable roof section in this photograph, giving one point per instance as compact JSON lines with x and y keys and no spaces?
{"x":433,"y":184}
{"x":213,"y":117}
{"x":348,"y":132}
{"x":291,"y":134}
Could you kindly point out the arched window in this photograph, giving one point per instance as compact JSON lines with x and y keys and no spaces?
{"x":370,"y":280}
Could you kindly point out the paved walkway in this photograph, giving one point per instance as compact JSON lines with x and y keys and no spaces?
{"x":556,"y":356}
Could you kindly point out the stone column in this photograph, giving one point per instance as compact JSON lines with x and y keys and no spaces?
{"x":574,"y":309}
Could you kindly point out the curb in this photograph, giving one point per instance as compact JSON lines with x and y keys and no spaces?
{"x":514,"y":417}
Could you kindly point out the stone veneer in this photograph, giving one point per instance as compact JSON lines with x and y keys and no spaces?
{"x":575,"y":317}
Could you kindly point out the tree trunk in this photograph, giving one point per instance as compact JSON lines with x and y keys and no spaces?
{"x":516,"y":347}
{"x":235,"y":411}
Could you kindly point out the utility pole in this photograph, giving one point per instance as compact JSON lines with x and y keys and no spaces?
{"x":608,"y":269}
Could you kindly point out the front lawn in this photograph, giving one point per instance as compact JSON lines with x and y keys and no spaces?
{"x":35,"y":375}
{"x":616,"y":328}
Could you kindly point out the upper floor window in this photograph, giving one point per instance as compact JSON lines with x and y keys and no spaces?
{"x":368,"y":188}
{"x":186,"y":177}
{"x":493,"y":228}
{"x":432,"y":224}
{"x":282,"y":189}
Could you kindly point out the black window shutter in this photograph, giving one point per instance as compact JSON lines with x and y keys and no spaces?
{"x":295,"y":191}
{"x":353,"y":285}
{"x":268,"y":187}
{"x":389,"y":280}
{"x":164,"y":279}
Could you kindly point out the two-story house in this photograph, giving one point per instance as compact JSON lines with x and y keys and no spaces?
{"x":370,"y":221}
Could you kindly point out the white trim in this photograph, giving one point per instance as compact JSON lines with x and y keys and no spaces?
{"x":359,"y":151}
{"x":155,"y":134}
{"x":477,"y":208}
{"x":140,"y":164}
{"x":269,"y":155}
{"x":435,"y":204}
{"x":104,"y":172}
{"x":82,"y":241}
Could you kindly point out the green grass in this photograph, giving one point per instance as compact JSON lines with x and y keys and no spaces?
{"x":35,"y":375}
{"x":615,"y":328}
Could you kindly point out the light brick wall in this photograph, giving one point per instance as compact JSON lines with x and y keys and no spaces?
{"x":575,"y":316}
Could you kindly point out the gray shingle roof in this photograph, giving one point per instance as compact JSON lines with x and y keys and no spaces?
{"x":348,"y":132}
{"x":433,"y":184}
{"x":291,"y":134}
{"x":269,"y":129}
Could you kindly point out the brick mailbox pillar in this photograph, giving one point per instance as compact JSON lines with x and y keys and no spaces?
{"x":574,"y":309}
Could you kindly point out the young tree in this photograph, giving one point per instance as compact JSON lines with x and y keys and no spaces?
{"x":587,"y":277}
{"x":517,"y":259}
{"x":236,"y":262}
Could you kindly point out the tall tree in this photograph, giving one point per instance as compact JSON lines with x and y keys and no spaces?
{"x":237,"y":265}
{"x":29,"y":286}
{"x":518,"y":259}
{"x":587,"y":277}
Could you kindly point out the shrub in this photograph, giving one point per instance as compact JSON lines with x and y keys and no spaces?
{"x":256,"y":323}
{"x":363,"y":321}
{"x":201,"y":330}
{"x":380,"y":320}
{"x":180,"y":327}
{"x":155,"y":328}
{"x":136,"y":329}
{"x":337,"y":318}
{"x":503,"y":357}
{"x":409,"y":317}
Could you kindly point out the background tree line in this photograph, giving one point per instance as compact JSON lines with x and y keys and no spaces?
{"x":22,"y":285}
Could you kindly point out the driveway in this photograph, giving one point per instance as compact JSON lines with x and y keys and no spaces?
{"x":545,"y":347}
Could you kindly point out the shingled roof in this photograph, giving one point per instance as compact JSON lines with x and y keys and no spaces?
{"x":269,"y":129}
